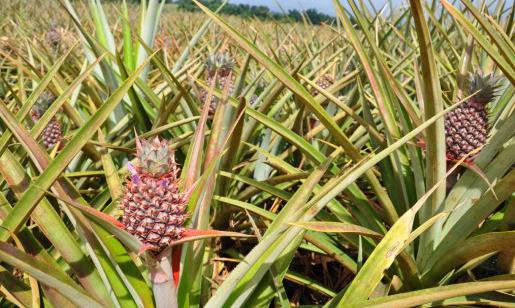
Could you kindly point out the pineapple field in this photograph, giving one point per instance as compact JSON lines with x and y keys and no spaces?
{"x":157,"y":157}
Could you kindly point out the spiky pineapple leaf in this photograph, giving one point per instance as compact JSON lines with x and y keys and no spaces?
{"x":40,"y":270}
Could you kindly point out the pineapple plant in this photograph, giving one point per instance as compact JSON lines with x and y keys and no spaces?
{"x":466,"y":126}
{"x":219,"y":68}
{"x":52,"y":134}
{"x":154,"y":210}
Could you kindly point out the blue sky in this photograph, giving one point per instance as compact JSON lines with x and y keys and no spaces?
{"x":325,"y":6}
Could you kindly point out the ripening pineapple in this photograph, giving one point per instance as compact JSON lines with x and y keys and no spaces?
{"x":323,"y":82}
{"x":154,"y":210}
{"x":466,"y":126}
{"x":54,"y":37}
{"x":253,"y":100}
{"x":52,"y":133}
{"x":219,"y":67}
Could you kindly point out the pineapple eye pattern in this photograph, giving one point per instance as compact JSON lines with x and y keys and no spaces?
{"x":467,"y":127}
{"x":154,"y":210}
{"x":52,"y":134}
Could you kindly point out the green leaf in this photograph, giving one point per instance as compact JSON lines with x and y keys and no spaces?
{"x":309,"y":101}
{"x":14,"y":290}
{"x":419,"y":297}
{"x":508,"y":69}
{"x":469,"y":221}
{"x":435,"y":134}
{"x":53,"y":227}
{"x":37,"y":190}
{"x":395,"y":240}
{"x":27,"y":106}
{"x":472,"y":248}
{"x":40,"y":271}
{"x":245,"y":277}
{"x":335,"y":227}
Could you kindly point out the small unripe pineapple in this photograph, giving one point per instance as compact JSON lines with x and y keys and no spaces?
{"x":323,"y":82}
{"x":54,"y":37}
{"x":18,"y":273}
{"x":52,"y":133}
{"x":154,"y":210}
{"x":218,"y":67}
{"x":466,"y":126}
{"x":253,"y":100}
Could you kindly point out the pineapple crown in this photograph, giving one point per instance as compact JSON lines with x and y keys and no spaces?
{"x":43,"y":103}
{"x":155,"y":157}
{"x":220,"y":63}
{"x":487,"y":85}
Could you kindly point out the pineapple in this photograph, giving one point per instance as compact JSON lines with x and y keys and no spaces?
{"x":466,"y":126}
{"x":323,"y":82}
{"x":253,"y":100}
{"x":53,"y":132}
{"x":18,"y":273}
{"x":219,"y":67}
{"x":54,"y":37}
{"x":154,"y":210}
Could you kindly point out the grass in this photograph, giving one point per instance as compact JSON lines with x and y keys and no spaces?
{"x":298,"y":198}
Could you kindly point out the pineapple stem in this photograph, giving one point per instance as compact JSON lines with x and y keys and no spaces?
{"x":161,"y":276}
